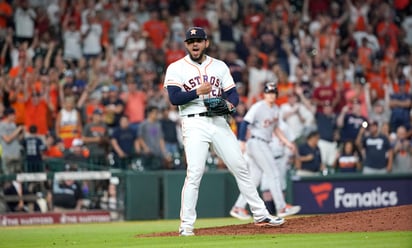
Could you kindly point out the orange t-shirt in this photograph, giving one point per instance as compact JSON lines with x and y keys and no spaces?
{"x":37,"y":115}
{"x":14,"y":72}
{"x":18,"y":105}
{"x":284,"y":89}
{"x":5,"y":9}
{"x":364,"y":56}
{"x":376,"y":82}
{"x":157,"y":31}
{"x":90,"y":108}
{"x":135,"y":106}
{"x":53,"y":152}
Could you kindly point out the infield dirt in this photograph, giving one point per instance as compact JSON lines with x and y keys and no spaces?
{"x":383,"y":219}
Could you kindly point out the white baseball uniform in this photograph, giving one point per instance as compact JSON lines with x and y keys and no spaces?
{"x":262,"y":120}
{"x":202,"y":132}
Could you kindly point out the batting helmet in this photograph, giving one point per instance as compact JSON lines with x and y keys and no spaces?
{"x":271,"y":87}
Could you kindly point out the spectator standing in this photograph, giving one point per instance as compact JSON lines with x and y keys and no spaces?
{"x":324,"y":92}
{"x":124,"y":143}
{"x":95,"y":137}
{"x":10,"y":134}
{"x":297,"y":116}
{"x":33,"y":147}
{"x":37,"y":108}
{"x":68,"y":124}
{"x":170,"y":132}
{"x":350,"y":121}
{"x":309,"y":161}
{"x":17,"y":100}
{"x":72,"y":41}
{"x":91,"y":32}
{"x":325,"y":123}
{"x":379,"y":110}
{"x":134,"y":102}
{"x":113,"y":107}
{"x":6,"y":13}
{"x":155,"y":29}
{"x":400,"y":104}
{"x":24,"y":22}
{"x":152,"y":143}
{"x":402,"y":152}
{"x":376,"y":150}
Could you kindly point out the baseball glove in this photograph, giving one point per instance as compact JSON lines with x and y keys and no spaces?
{"x":218,"y":106}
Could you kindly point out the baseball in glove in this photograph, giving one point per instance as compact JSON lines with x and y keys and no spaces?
{"x":218,"y":106}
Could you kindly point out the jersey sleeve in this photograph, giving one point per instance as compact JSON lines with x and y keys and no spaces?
{"x":172,"y":77}
{"x":250,"y":115}
{"x":227,"y":79}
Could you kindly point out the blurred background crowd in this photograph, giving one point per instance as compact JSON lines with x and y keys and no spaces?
{"x":82,"y":80}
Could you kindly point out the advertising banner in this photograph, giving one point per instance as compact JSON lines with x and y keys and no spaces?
{"x":22,"y":219}
{"x":330,"y":196}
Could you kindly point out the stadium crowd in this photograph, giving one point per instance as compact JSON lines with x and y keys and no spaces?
{"x":82,"y":80}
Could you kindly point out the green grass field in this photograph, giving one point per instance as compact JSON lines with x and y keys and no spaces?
{"x":122,"y":234}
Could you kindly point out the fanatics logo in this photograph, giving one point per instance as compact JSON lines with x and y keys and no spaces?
{"x":321,"y":192}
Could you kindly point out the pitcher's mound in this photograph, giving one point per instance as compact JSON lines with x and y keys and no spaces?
{"x":383,"y":219}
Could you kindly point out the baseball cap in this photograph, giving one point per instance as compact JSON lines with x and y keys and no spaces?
{"x":196,"y":33}
{"x":105,"y":88}
{"x":68,"y":73}
{"x":270,"y":87}
{"x":9,"y":111}
{"x":98,"y":111}
{"x":112,"y":88}
{"x":77,"y":142}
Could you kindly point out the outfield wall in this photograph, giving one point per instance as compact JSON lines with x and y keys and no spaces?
{"x":156,"y":195}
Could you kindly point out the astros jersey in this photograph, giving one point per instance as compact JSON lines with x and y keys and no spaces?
{"x":263,"y":119}
{"x":189,"y":75}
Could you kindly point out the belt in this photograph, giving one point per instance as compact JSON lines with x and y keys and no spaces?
{"x":259,"y":138}
{"x":199,"y":114}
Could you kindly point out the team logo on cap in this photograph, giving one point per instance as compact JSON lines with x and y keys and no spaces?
{"x":193,"y":32}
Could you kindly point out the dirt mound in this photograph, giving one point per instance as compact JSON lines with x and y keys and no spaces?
{"x":383,"y":219}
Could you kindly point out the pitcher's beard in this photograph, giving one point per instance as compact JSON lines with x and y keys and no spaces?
{"x":198,"y":59}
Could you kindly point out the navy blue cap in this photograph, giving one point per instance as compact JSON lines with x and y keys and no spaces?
{"x":98,"y":111}
{"x":9,"y":111}
{"x":196,"y":33}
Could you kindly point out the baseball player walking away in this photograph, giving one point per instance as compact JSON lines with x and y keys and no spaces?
{"x":196,"y":83}
{"x":262,"y":119}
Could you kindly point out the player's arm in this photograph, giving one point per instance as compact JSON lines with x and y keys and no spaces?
{"x":282,"y":137}
{"x":242,"y":134}
{"x":232,"y":96}
{"x":179,"y":97}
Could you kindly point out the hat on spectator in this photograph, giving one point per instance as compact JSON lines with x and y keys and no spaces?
{"x":119,"y":75}
{"x":112,"y":88}
{"x":98,"y":111}
{"x":9,"y":111}
{"x":77,"y":142}
{"x":105,"y":88}
{"x":68,"y":73}
{"x":196,"y":33}
{"x":380,"y":103}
